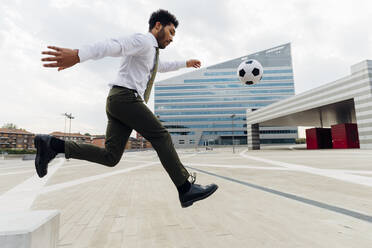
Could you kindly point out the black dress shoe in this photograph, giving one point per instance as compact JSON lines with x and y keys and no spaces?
{"x":44,"y":154}
{"x":196,"y":193}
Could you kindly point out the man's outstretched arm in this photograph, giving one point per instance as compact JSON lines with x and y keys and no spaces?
{"x":128,"y":45}
{"x":61,"y":57}
{"x":175,"y":65}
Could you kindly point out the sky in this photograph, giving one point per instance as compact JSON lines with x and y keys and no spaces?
{"x":326,"y":37}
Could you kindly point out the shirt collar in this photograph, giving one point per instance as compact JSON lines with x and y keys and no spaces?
{"x":153,"y":39}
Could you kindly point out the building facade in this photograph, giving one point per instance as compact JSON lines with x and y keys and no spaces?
{"x":132,"y":143}
{"x":145,"y":143}
{"x":208,"y":106}
{"x":348,"y":100}
{"x":98,"y":140}
{"x":77,"y":137}
{"x":16,"y":139}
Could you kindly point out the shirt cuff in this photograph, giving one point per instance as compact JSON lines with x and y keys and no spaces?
{"x":181,"y":64}
{"x":83,"y":54}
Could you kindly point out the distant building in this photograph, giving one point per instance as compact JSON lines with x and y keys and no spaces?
{"x":145,"y":142}
{"x":16,"y":138}
{"x":132,"y":143}
{"x":98,"y":140}
{"x":77,"y":137}
{"x":209,"y":105}
{"x":345,"y":101}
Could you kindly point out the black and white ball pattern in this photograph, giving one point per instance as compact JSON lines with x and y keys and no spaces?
{"x":250,"y":71}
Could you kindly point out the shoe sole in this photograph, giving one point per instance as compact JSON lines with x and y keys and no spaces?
{"x":189,"y":203}
{"x":37,"y":142}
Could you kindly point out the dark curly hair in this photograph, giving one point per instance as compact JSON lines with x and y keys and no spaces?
{"x":162,"y":16}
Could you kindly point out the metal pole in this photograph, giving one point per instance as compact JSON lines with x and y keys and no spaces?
{"x":232,"y":131}
{"x":64,"y":131}
{"x":69,"y":132}
{"x":70,"y":117}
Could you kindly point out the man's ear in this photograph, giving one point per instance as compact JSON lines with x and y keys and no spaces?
{"x":158,"y":26}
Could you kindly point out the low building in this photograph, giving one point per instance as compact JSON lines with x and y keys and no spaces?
{"x":16,"y":138}
{"x":77,"y":137}
{"x":132,"y":143}
{"x":145,"y":142}
{"x":98,"y":140}
{"x":347,"y":100}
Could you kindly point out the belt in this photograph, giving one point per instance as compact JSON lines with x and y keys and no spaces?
{"x":121,"y":87}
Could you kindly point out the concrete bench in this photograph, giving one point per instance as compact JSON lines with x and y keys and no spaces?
{"x":29,"y":157}
{"x":29,"y":229}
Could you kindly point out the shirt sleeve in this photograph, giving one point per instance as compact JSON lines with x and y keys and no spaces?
{"x":124,"y":46}
{"x":170,"y":66}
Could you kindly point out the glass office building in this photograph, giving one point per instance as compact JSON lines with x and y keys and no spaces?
{"x":208,"y":106}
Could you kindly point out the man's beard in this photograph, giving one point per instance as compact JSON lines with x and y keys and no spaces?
{"x":160,"y":38}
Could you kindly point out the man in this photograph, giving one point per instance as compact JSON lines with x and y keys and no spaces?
{"x":124,"y":106}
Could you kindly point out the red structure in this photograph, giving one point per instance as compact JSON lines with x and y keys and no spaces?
{"x":318,"y":138}
{"x":345,"y":136}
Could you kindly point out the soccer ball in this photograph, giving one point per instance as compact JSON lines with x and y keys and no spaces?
{"x":250,"y":71}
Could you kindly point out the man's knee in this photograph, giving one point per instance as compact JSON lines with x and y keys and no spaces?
{"x":163,"y":134}
{"x":112,"y":160}
{"x":156,"y":135}
{"x":112,"y":155}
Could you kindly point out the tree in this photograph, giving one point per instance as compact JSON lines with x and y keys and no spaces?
{"x":87,"y":134}
{"x":10,"y":126}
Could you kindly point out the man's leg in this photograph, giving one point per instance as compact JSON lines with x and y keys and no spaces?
{"x":117,"y":135}
{"x":48,"y":147}
{"x":136,"y":115}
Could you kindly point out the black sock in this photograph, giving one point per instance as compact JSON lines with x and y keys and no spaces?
{"x":184,"y":187}
{"x":58,"y":145}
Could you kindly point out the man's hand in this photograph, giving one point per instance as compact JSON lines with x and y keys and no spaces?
{"x":193,"y":63}
{"x":63,"y":57}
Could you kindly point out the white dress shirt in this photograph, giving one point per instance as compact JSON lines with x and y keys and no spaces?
{"x":138,"y":59}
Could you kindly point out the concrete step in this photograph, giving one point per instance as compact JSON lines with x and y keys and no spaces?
{"x":29,"y":229}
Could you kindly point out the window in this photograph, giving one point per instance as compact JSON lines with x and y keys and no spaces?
{"x":231,"y":105}
{"x":181,"y":142}
{"x":205,"y":80}
{"x":221,"y":99}
{"x":224,"y":92}
{"x":192,"y":141}
{"x":223,"y":86}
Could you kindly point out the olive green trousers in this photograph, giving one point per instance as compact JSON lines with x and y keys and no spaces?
{"x":126,"y":111}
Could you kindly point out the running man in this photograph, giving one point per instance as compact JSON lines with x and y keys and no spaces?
{"x":125,"y":107}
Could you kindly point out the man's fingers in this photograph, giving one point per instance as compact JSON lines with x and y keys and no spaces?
{"x":193,"y":63}
{"x":55,"y":48}
{"x":51,"y":65}
{"x":51,"y":59}
{"x":51,"y":53}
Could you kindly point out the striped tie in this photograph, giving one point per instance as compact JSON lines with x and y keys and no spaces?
{"x":152,"y":78}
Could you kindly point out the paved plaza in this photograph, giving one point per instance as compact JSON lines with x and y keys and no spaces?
{"x":274,"y":197}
